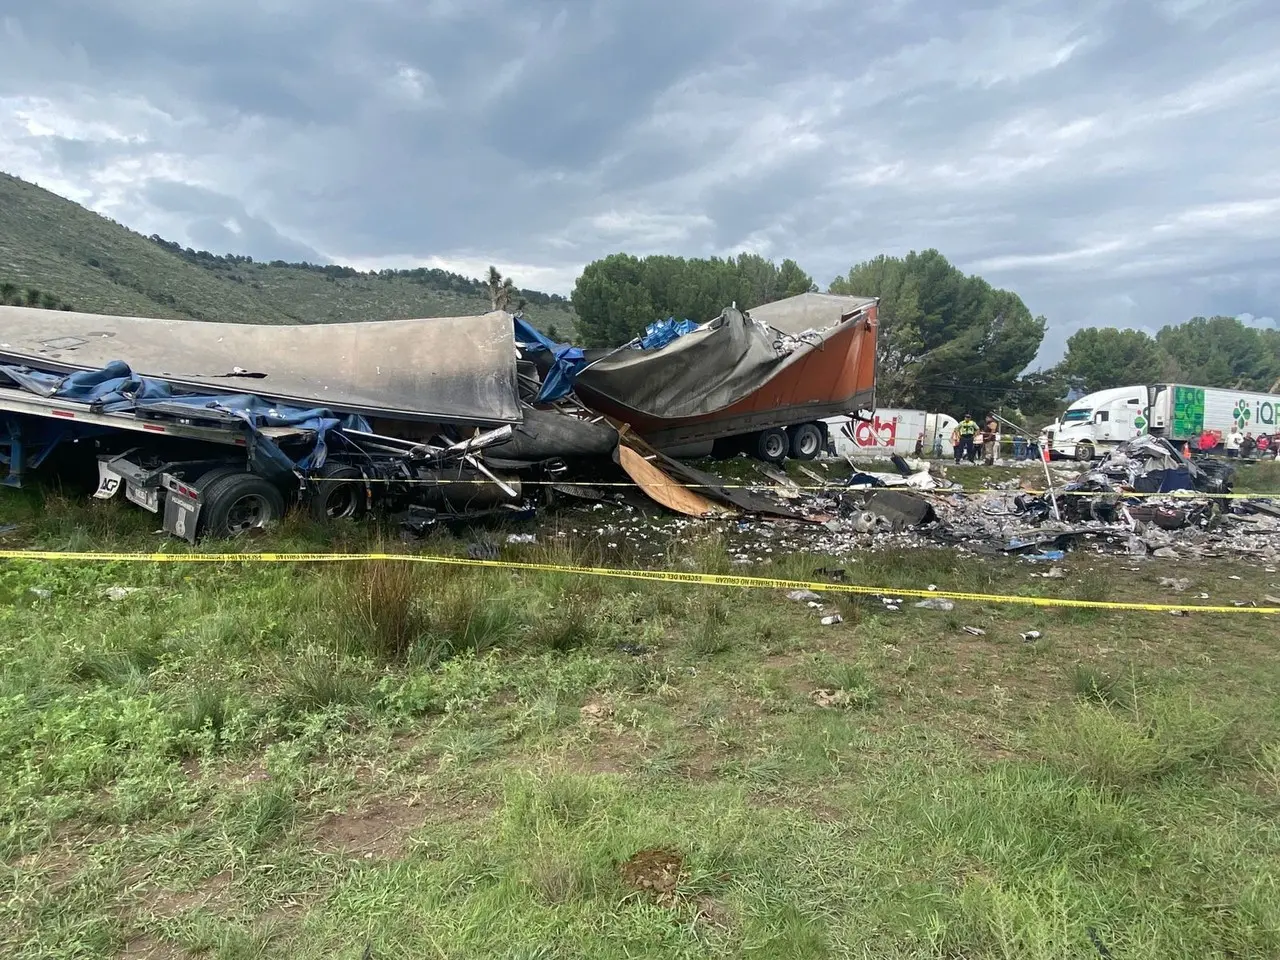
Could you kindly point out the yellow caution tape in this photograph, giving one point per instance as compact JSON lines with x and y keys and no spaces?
{"x":661,"y":576}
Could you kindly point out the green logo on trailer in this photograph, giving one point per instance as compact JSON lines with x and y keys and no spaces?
{"x":1188,"y":412}
{"x":1240,"y":414}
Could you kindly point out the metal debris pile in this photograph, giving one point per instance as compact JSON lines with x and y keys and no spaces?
{"x":1145,"y":500}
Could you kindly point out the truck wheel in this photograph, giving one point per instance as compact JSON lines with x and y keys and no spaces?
{"x":772,"y":445}
{"x":236,"y":503}
{"x":210,"y":477}
{"x":1084,"y":452}
{"x":806,"y":441}
{"x":339,"y":494}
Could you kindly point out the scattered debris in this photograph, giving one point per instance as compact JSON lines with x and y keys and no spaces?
{"x":975,"y":631}
{"x":1031,"y":636}
{"x":1176,"y":584}
{"x":832,"y":620}
{"x":803,"y":596}
{"x":483,"y":551}
{"x":595,"y":712}
{"x":829,"y":699}
{"x":786,"y":487}
{"x":522,"y":538}
{"x":937,"y":603}
{"x":119,"y":593}
{"x":40,"y":593}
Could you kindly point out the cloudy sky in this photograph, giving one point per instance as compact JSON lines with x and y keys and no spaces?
{"x":1113,"y":161}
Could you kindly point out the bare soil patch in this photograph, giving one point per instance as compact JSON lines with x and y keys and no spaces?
{"x":213,"y":895}
{"x":657,"y":872}
{"x":378,"y":830}
{"x":146,"y":947}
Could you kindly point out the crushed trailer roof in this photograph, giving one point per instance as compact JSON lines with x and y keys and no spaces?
{"x":808,"y":311}
{"x":445,"y":369}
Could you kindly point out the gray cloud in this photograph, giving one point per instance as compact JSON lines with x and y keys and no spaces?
{"x":1111,"y":160}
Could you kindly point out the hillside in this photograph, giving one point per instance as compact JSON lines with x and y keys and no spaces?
{"x":94,"y":264}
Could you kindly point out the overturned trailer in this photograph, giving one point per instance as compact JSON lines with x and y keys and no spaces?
{"x":761,"y":381}
{"x":217,"y":427}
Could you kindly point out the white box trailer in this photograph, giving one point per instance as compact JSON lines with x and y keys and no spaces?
{"x":891,"y":431}
{"x":1100,"y":421}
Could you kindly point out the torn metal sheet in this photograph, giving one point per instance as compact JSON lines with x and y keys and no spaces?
{"x":786,"y":487}
{"x":666,"y":491}
{"x":736,"y":375}
{"x":445,"y":369}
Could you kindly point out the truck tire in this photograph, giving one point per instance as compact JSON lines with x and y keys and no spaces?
{"x":339,"y":494}
{"x":1084,"y":452}
{"x":237,"y":503}
{"x":210,"y":477}
{"x":772,"y":445}
{"x":806,"y":441}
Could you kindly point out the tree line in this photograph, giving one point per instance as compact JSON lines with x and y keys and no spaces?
{"x":12,"y":295}
{"x":1206,"y":351}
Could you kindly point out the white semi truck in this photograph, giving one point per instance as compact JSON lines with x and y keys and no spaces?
{"x":1101,"y":421}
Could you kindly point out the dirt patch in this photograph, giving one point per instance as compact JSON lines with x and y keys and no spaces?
{"x":213,"y":895}
{"x":147,"y":947}
{"x":989,"y":747}
{"x":378,"y":830}
{"x":594,"y":713}
{"x":58,"y":864}
{"x":240,"y":773}
{"x":812,"y":803}
{"x":786,"y":661}
{"x":61,"y":858}
{"x":709,"y":910}
{"x":657,"y":871}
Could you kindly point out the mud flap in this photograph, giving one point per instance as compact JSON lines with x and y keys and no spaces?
{"x":109,"y":482}
{"x":181,"y":514}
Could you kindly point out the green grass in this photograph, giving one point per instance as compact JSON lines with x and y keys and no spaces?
{"x":1262,"y":477}
{"x":96,"y":265}
{"x":412,"y":760}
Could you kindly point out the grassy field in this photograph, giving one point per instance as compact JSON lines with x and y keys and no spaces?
{"x":405,"y":760}
{"x":96,"y":265}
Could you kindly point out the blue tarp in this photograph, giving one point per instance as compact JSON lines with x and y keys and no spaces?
{"x":568,"y":360}
{"x":661,"y":332}
{"x":115,"y":388}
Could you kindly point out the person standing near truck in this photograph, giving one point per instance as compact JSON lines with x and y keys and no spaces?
{"x":1234,"y":441}
{"x":990,"y":441}
{"x":966,"y":431}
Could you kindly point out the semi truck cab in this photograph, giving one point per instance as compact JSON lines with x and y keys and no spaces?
{"x":1098,"y":422}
